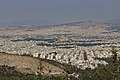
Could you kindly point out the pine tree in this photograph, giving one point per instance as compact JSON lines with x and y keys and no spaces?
{"x":116,"y":64}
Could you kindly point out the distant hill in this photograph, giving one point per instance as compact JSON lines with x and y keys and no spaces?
{"x":45,"y":23}
{"x":35,"y":22}
{"x":86,"y":24}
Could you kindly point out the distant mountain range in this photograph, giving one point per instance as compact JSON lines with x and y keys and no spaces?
{"x":112,"y":24}
{"x":91,"y":23}
{"x":42,"y":22}
{"x":85,"y":23}
{"x":35,"y":22}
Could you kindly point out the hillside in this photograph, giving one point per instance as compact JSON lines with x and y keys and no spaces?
{"x":86,"y":24}
{"x":28,"y":65}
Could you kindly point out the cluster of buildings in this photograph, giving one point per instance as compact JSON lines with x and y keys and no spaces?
{"x":80,"y":56}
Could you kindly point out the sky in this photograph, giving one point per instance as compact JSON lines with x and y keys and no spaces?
{"x":59,"y":11}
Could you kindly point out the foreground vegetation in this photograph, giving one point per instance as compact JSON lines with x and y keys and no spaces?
{"x":108,"y":72}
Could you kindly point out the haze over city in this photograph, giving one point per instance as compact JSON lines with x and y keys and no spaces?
{"x":58,"y":11}
{"x":59,"y":40}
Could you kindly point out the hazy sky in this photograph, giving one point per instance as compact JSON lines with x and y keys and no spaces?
{"x":59,"y":10}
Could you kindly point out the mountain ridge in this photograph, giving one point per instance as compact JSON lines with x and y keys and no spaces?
{"x":38,"y":22}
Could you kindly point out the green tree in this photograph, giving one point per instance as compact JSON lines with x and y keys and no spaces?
{"x":114,"y":52}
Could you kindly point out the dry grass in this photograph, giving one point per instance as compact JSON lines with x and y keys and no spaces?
{"x":26,"y":64}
